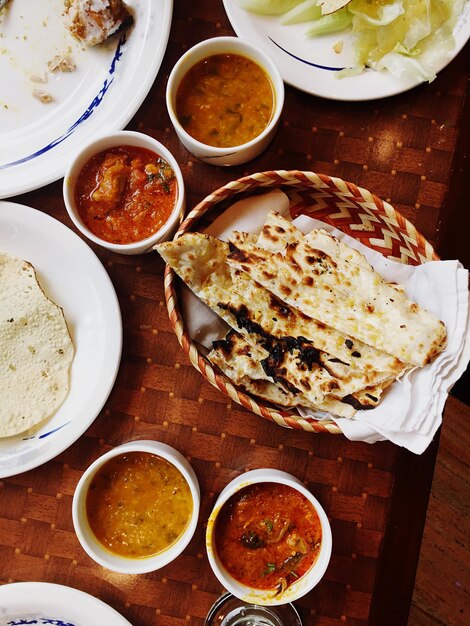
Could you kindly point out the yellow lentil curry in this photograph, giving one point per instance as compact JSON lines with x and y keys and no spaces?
{"x":138,"y":504}
{"x":225,"y":100}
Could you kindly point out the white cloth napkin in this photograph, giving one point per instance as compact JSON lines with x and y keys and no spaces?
{"x":411,"y":409}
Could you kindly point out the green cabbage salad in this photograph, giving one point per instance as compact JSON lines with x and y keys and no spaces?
{"x":405,"y":37}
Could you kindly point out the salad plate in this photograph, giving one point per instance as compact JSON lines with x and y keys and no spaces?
{"x":72,"y":276}
{"x":46,"y":115}
{"x":48,"y":603}
{"x":311,"y":64}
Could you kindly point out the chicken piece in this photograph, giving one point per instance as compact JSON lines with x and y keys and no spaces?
{"x":112,"y":180}
{"x":93,"y":21}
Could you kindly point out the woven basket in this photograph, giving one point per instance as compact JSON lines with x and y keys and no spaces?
{"x":349,"y":208}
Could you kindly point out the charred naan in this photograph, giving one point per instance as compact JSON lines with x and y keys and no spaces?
{"x":315,"y":325}
{"x":294,"y":350}
{"x":201,"y":262}
{"x":242,"y":364}
{"x":344,"y":293}
{"x":36,"y":350}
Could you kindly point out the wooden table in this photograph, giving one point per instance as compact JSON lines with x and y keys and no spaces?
{"x":376,"y":496}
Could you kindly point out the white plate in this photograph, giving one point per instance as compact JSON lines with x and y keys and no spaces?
{"x":47,"y":603}
{"x":73,"y":277}
{"x":37,"y":141}
{"x":310,"y":63}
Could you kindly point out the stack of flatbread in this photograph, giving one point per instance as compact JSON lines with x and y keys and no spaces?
{"x":313,"y":325}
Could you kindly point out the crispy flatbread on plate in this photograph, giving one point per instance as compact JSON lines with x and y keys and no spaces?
{"x":36,"y":350}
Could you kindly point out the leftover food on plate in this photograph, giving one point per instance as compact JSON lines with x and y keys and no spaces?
{"x":401,"y":36}
{"x":267,"y":536}
{"x":313,"y":324}
{"x":125,"y":194}
{"x":36,"y":349}
{"x":93,"y":21}
{"x":225,"y":100}
{"x":138,"y":504}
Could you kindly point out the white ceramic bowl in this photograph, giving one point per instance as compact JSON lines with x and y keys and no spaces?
{"x":225,"y":45}
{"x":88,"y":540}
{"x":306,"y":582}
{"x":111,"y":140}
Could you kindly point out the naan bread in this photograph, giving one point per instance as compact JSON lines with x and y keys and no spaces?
{"x":315,"y":325}
{"x":36,"y":350}
{"x":200,"y":260}
{"x":345,"y":294}
{"x":292,"y":349}
{"x":241,"y":363}
{"x":278,"y":232}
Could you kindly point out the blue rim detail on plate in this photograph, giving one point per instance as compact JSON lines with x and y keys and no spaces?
{"x":50,"y":432}
{"x":94,"y":104}
{"x":39,"y":620}
{"x":320,"y":67}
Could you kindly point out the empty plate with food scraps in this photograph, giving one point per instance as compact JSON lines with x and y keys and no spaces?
{"x":61,"y":337}
{"x":69,"y":70}
{"x":305,"y":322}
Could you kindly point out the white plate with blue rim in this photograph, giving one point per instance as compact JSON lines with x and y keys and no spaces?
{"x":311,"y":63}
{"x":48,"y":603}
{"x":103,"y":92}
{"x":73,"y":277}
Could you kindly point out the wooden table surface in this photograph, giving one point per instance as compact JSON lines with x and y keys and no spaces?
{"x":402,"y":149}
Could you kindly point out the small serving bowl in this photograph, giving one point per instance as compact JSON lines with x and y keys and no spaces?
{"x":106,"y":142}
{"x":262,"y":596}
{"x":225,"y":45}
{"x":90,"y":543}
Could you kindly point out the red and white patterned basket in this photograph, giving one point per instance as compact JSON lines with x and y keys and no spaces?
{"x":349,"y":208}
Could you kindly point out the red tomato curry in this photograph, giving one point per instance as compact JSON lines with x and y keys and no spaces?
{"x":267,"y":536}
{"x":125,"y":194}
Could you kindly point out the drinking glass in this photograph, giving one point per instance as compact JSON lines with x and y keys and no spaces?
{"x":230,"y":611}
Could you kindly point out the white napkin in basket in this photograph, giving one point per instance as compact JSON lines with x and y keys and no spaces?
{"x":411,"y":409}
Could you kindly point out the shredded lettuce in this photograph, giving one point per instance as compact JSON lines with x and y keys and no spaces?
{"x":305,"y":11}
{"x":330,"y":23}
{"x":268,"y":7}
{"x":405,"y":37}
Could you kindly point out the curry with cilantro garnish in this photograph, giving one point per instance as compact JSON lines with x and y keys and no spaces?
{"x":125,"y":194}
{"x":267,"y":536}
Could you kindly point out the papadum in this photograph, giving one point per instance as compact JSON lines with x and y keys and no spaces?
{"x":36,"y":349}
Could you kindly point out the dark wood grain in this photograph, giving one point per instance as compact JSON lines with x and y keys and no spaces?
{"x":376,"y":496}
{"x":441,"y":596}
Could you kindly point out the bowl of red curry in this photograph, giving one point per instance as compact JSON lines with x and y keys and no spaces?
{"x":125,"y":191}
{"x":268,"y":539}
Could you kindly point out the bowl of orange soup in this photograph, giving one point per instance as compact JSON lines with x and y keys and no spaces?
{"x":268,"y":539}
{"x":135,"y":509}
{"x":225,"y":97}
{"x":125,"y":191}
